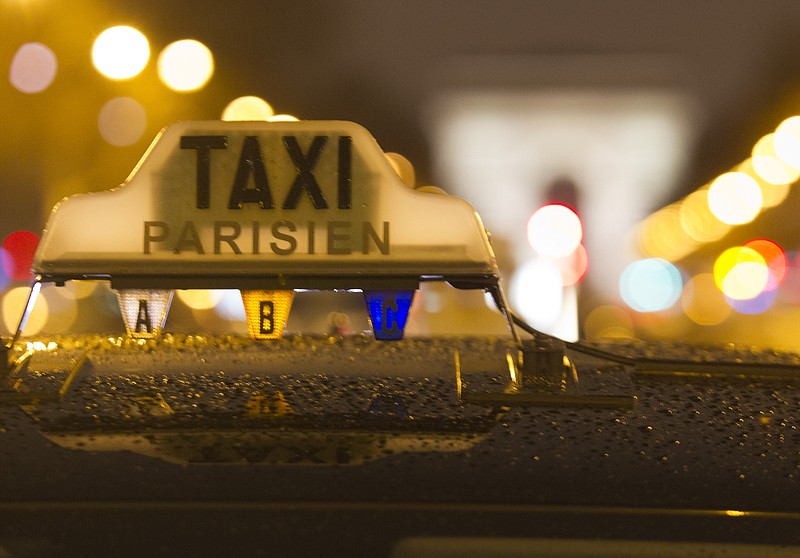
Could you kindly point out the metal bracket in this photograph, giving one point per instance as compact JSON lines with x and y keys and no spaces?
{"x":542,"y":374}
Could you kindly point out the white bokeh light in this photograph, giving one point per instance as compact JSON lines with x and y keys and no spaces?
{"x":185,"y":65}
{"x":536,"y":292}
{"x":122,"y":121}
{"x":735,"y":198}
{"x":33,"y":68}
{"x":555,"y":231}
{"x":120,"y":52}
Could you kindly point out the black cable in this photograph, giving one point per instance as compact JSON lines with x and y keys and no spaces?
{"x":665,"y":364}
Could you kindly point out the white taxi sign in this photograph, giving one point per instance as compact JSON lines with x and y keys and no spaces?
{"x":252,"y":205}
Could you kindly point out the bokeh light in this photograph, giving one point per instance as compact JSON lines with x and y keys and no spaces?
{"x":775,"y":257}
{"x":734,"y":198}
{"x":790,"y":289}
{"x":403,"y":167}
{"x":120,"y":52}
{"x":230,"y":306}
{"x":78,"y":290}
{"x":248,"y":108}
{"x":769,"y":166}
{"x":4,"y":278}
{"x":772,"y":194}
{"x":787,"y":141}
{"x":283,"y":118}
{"x":741,"y":273}
{"x":608,"y":322}
{"x":536,"y":292}
{"x":662,"y":236}
{"x":122,"y":121}
{"x":703,"y":302}
{"x":13,"y":304}
{"x":62,"y":308}
{"x":554,"y":230}
{"x":17,"y":256}
{"x":574,"y":267}
{"x":756,"y":305}
{"x":185,"y":65}
{"x":650,"y":285}
{"x":33,"y":68}
{"x":200,"y":299}
{"x":698,"y":221}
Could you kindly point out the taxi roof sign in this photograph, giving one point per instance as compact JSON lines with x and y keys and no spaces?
{"x":309,"y":204}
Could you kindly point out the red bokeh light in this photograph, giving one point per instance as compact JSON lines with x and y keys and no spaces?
{"x":17,"y":256}
{"x":574,"y":267}
{"x":776,"y":259}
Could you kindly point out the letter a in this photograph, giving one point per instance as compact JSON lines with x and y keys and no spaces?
{"x":251,"y":162}
{"x":143,"y":318}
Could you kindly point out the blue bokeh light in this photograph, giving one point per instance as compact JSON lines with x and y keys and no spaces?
{"x":650,"y":285}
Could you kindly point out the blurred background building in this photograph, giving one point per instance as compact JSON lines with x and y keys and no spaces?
{"x":634,"y":161}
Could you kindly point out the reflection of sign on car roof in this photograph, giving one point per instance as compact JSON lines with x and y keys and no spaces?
{"x":266,"y":208}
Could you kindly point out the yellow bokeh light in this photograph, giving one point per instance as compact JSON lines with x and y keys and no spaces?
{"x":120,"y":52}
{"x":62,"y":310}
{"x":608,"y":322}
{"x":771,"y":194}
{"x":787,"y":141}
{"x":83,"y":289}
{"x":697,"y":219}
{"x":248,"y":108}
{"x":13,"y":305}
{"x":185,"y":65}
{"x":662,"y":236}
{"x":79,"y":290}
{"x":741,"y":273}
{"x":703,"y":302}
{"x":283,"y":118}
{"x":403,"y":167}
{"x":745,"y":281}
{"x":200,"y":299}
{"x":769,"y":166}
{"x":735,"y":198}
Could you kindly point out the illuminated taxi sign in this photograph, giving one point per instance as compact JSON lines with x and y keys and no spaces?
{"x":144,"y":311}
{"x":257,"y":205}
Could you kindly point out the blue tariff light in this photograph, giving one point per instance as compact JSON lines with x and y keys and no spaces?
{"x":388,"y":313}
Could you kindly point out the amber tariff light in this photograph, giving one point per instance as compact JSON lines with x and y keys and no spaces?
{"x":267,"y":312}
